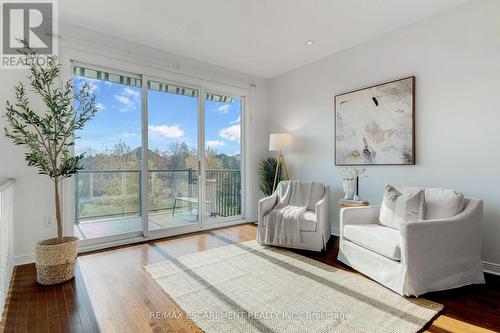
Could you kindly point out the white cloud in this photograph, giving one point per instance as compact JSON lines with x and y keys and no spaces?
{"x":93,"y":87}
{"x":100,"y":106}
{"x":126,"y":135}
{"x":130,"y":92}
{"x":92,"y":83}
{"x":129,"y":98}
{"x":231,"y":133}
{"x":237,"y":121}
{"x":166,"y":131}
{"x":224,"y":108}
{"x":126,"y":101}
{"x":215,"y":143}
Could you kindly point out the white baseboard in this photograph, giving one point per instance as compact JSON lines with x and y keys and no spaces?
{"x":24,"y":259}
{"x":491,"y":268}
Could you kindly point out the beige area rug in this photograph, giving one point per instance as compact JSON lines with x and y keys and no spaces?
{"x":246,"y":287}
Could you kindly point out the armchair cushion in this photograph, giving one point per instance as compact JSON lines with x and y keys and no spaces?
{"x":375,"y":237}
{"x":400,"y":207}
{"x":440,"y":203}
{"x":307,"y":221}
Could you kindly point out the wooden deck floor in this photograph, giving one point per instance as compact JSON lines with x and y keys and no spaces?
{"x":113,"y":226}
{"x":113,"y":293}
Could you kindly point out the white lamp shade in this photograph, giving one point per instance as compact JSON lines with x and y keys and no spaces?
{"x":280,"y":142}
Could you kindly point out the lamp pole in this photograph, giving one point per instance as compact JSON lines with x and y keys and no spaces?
{"x":281,"y":161}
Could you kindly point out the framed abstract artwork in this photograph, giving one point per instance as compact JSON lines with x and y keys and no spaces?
{"x":376,"y":125}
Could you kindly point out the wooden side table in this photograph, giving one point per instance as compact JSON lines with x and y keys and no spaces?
{"x":345,"y":204}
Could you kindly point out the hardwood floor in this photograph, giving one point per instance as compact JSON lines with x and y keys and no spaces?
{"x":113,"y":293}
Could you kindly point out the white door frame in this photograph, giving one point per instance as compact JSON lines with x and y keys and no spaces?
{"x":144,"y":157}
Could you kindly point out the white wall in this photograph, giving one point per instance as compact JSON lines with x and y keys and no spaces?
{"x":34,"y":193}
{"x":455,"y":57}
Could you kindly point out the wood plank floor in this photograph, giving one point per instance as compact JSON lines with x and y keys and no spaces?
{"x":113,"y":293}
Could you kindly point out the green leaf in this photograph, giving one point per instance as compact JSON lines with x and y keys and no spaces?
{"x":48,"y":134}
{"x":267,"y":171}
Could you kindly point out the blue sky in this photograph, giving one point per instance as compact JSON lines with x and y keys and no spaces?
{"x":171,"y":118}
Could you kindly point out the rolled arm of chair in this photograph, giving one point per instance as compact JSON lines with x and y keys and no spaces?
{"x":266,"y":205}
{"x":458,"y":237}
{"x":444,"y":251}
{"x":359,"y":215}
{"x":322,"y":211}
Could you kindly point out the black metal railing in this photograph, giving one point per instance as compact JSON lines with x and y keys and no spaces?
{"x":227,"y":189}
{"x":113,"y":193}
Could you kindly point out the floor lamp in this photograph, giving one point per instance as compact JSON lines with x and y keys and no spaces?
{"x":280,"y":142}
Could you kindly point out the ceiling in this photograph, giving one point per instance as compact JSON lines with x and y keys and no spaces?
{"x":264,"y":38}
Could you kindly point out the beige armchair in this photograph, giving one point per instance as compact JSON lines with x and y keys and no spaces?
{"x":440,"y":252}
{"x":314,"y":223}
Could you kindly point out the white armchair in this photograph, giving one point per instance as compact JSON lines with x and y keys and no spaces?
{"x":315,"y":229}
{"x":423,"y":256}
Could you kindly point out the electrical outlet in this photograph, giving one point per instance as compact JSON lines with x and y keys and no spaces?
{"x":48,"y":221}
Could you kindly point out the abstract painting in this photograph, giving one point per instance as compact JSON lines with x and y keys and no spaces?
{"x":376,"y":125}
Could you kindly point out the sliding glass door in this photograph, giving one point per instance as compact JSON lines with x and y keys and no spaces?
{"x":173,"y":155}
{"x":223,"y":157}
{"x":107,"y":190}
{"x":161,"y":158}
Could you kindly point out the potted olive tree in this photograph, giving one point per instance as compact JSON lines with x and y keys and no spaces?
{"x":48,"y":136}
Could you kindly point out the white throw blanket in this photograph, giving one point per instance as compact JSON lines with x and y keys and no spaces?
{"x":283,"y":222}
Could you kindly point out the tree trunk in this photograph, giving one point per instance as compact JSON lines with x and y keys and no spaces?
{"x":58,"y":211}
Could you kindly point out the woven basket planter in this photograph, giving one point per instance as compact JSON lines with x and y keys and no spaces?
{"x":55,"y":262}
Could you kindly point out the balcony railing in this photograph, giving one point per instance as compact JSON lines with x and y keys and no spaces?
{"x":103,"y":194}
